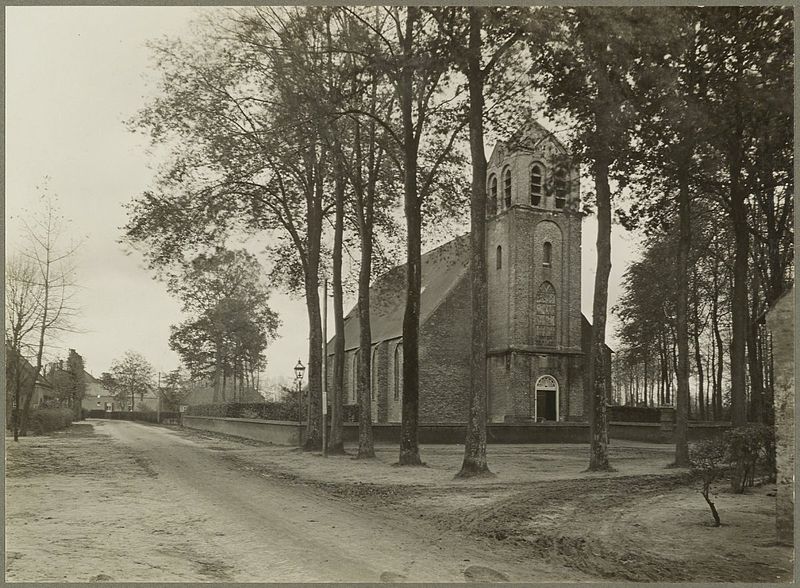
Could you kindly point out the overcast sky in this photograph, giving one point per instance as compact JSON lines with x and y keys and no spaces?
{"x":73,"y":76}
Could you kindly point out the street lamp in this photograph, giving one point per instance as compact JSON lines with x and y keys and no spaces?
{"x":299,"y":370}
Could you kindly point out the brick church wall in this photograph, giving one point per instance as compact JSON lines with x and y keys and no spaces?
{"x":444,"y":351}
{"x":499,"y":397}
{"x":380,"y":382}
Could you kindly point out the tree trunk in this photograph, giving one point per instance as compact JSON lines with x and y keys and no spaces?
{"x":682,"y":320}
{"x":409,"y":440}
{"x":16,"y":378}
{"x":719,"y":350}
{"x":698,"y":356}
{"x":475,"y":442}
{"x":26,"y":401}
{"x":218,"y":371}
{"x":598,"y":417}
{"x":753,"y":362}
{"x":366,"y":448}
{"x":313,"y":440}
{"x":336,"y":444}
{"x":739,"y":311}
{"x":713,"y":508}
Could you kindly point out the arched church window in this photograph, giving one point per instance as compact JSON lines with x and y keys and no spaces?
{"x":546,"y":315}
{"x":373,"y":384}
{"x":499,"y":257}
{"x":354,"y":387}
{"x":493,"y":195}
{"x":536,"y":184}
{"x":507,"y":187}
{"x":561,"y":187}
{"x":398,"y":370}
{"x":547,"y":253}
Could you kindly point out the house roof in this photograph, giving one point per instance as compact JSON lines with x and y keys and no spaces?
{"x":442,"y":268}
{"x":90,"y":379}
{"x":27,"y":368}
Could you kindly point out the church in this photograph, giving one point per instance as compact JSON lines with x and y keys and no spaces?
{"x":538,"y":340}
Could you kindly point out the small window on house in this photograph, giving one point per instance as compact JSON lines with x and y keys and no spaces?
{"x":536,"y":184}
{"x":398,"y":370}
{"x":561,"y":187}
{"x":547,"y":253}
{"x":499,"y":257}
{"x":507,"y":187}
{"x":493,"y":195}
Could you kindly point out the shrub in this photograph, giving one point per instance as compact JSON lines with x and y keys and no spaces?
{"x":148,"y":417}
{"x":747,"y":446}
{"x":737,"y":453}
{"x":45,"y":420}
{"x":709,"y":460}
{"x":276,"y":411}
{"x":634,"y":414}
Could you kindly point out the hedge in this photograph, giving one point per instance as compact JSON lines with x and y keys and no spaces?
{"x":271,"y":411}
{"x":45,"y":420}
{"x":148,"y":417}
{"x":633,"y":414}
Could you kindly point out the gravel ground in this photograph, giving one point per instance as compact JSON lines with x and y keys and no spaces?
{"x":116,"y":501}
{"x":119,"y":501}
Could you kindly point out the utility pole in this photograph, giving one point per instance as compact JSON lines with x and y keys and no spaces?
{"x":158,"y":400}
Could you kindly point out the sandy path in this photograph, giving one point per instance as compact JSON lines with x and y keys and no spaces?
{"x":148,"y":504}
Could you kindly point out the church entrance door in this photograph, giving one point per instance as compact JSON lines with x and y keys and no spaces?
{"x":546,"y":399}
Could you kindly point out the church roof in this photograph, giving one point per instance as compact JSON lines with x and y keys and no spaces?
{"x":442,"y":269}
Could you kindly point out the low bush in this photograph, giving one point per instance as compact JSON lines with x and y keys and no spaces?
{"x":271,"y":411}
{"x":45,"y":420}
{"x":749,"y":447}
{"x":739,"y":453}
{"x":710,"y":461}
{"x":147,"y":417}
{"x":633,"y":414}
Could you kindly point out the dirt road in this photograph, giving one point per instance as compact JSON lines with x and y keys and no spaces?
{"x":130,"y":502}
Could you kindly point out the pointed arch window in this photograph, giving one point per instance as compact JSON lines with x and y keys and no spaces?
{"x":354,"y":377}
{"x":398,"y":370}
{"x":493,"y":195}
{"x":536,"y":184}
{"x":546,"y":315}
{"x":560,"y":185}
{"x":547,"y":253}
{"x":373,"y":375}
{"x":507,"y":187}
{"x":499,"y":257}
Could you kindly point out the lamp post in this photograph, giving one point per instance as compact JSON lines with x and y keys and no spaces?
{"x":299,"y":370}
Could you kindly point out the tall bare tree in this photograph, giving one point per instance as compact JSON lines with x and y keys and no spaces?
{"x":22,"y":314}
{"x":52,"y":254}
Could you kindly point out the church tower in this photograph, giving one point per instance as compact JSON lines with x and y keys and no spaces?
{"x":535,"y":363}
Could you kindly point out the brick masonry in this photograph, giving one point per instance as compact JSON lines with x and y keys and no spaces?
{"x":517,"y":235}
{"x":780,"y":320}
{"x":516,"y":272}
{"x":444,"y":374}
